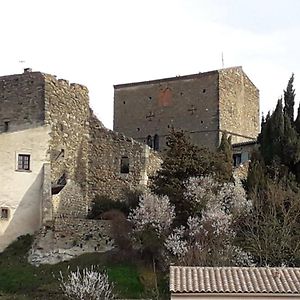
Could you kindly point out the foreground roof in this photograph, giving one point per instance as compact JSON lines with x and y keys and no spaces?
{"x":234,"y":280}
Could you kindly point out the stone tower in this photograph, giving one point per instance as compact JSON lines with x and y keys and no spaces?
{"x":203,"y":105}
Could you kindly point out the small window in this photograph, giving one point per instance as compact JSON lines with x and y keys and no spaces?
{"x":4,"y":213}
{"x":149,"y":141}
{"x":124,"y":165}
{"x":156,"y":143}
{"x":237,"y":159}
{"x":6,"y":126}
{"x":24,"y":162}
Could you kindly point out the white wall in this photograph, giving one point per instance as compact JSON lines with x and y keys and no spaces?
{"x":21,"y":191}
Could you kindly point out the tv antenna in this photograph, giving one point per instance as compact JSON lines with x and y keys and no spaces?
{"x":222,"y":60}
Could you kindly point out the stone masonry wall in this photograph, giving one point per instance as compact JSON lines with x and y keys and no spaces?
{"x":189,"y":103}
{"x":21,"y":101}
{"x":67,"y":111}
{"x":239,"y":105}
{"x":106,"y":150}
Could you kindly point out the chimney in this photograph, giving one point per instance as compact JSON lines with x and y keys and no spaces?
{"x":27,"y":70}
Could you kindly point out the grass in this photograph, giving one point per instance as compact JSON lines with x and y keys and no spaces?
{"x":21,"y":281}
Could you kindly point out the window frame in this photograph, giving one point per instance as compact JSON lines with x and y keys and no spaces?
{"x":7,"y":213}
{"x":21,"y":164}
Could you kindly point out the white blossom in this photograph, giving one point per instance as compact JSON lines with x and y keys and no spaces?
{"x":154,"y":211}
{"x":194,"y":225}
{"x":87,"y":284}
{"x":176,"y":243}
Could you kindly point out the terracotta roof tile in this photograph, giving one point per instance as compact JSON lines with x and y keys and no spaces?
{"x":234,"y":280}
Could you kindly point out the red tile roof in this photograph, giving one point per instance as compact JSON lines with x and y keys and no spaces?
{"x":234,"y":280}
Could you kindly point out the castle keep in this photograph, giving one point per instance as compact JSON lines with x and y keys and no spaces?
{"x":203,"y":105}
{"x":56,"y":156}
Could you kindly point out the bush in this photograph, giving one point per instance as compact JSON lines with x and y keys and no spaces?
{"x":103,"y":203}
{"x":87,"y":284}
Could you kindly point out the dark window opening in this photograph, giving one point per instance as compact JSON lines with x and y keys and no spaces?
{"x":204,"y":90}
{"x":149,"y":141}
{"x":201,"y":122}
{"x":59,"y":185}
{"x":4,"y":213}
{"x":150,"y":98}
{"x":24,"y":162}
{"x":124,"y":102}
{"x":156,"y":142}
{"x":138,"y":129}
{"x":237,"y":159}
{"x":124,"y":165}
{"x":6,"y":126}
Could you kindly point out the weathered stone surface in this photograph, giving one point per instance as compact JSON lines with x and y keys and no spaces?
{"x":77,"y":151}
{"x":238,"y":105}
{"x":21,"y":101}
{"x":106,"y":150}
{"x":203,"y":105}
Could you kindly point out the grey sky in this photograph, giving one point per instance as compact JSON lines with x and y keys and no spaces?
{"x":101,"y":43}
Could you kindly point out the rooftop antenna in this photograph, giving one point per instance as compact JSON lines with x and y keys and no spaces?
{"x":22,"y":62}
{"x":222,"y":60}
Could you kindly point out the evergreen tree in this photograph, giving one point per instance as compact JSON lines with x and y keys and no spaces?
{"x":183,"y":160}
{"x":256,"y":180}
{"x":271,"y":137}
{"x":297,"y":121}
{"x":225,"y":147}
{"x":289,"y":100}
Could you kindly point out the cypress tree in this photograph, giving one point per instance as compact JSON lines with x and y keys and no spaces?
{"x":272,"y":134}
{"x":297,"y":121}
{"x":289,"y":100}
{"x":225,"y":147}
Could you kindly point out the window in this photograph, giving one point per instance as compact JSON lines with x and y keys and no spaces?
{"x":24,"y":162}
{"x":237,"y":159}
{"x":6,"y":125}
{"x":124,"y":165}
{"x":4,"y":213}
{"x":149,"y":141}
{"x":156,"y":142}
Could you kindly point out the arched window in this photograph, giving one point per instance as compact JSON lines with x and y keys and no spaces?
{"x":156,"y":142}
{"x":149,"y":141}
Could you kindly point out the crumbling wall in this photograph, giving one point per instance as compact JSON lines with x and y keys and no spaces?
{"x":67,"y":112}
{"x":106,"y":151}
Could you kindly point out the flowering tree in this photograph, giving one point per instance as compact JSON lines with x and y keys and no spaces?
{"x":153,"y":212}
{"x":87,"y":284}
{"x":208,"y":237}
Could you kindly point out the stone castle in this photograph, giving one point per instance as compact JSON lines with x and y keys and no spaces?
{"x":203,"y":105}
{"x":56,"y":155}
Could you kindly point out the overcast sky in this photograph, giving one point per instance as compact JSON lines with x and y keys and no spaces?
{"x":100,"y":43}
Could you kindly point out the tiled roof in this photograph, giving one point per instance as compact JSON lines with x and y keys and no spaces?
{"x":234,"y":280}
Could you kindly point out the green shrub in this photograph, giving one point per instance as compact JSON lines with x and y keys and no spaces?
{"x":103,"y":203}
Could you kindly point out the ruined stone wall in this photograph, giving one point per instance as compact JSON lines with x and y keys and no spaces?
{"x":239,"y":105}
{"x":105,"y":153}
{"x":21,"y":101}
{"x":188,"y":102}
{"x":67,"y":112}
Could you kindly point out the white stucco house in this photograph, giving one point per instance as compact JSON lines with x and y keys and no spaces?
{"x":23,"y":159}
{"x":236,"y":283}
